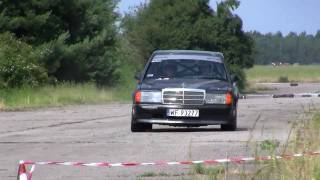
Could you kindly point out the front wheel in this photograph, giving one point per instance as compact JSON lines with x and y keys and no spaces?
{"x":140,"y":127}
{"x":228,"y":127}
{"x":232,"y":126}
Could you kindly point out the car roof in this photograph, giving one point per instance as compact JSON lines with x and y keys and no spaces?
{"x":189,"y":52}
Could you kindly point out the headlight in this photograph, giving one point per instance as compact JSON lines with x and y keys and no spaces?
{"x":216,"y":98}
{"x":219,"y":98}
{"x":148,"y":97}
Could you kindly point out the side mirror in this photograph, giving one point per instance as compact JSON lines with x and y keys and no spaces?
{"x":138,"y":76}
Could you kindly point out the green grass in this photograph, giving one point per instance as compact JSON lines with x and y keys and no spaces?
{"x":154,"y":174}
{"x":306,"y":138}
{"x":298,"y":73}
{"x":148,"y":174}
{"x":60,"y":95}
{"x":200,"y":171}
{"x":70,"y":93}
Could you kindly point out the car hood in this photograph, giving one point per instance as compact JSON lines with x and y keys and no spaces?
{"x":208,"y":85}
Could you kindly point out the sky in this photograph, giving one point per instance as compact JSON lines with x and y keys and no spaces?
{"x":268,"y":15}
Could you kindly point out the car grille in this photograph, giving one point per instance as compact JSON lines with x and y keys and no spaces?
{"x":182,"y":96}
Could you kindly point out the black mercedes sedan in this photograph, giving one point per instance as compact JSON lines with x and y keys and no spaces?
{"x":185,"y":88}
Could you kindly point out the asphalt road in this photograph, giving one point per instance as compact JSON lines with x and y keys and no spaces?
{"x":95,"y":133}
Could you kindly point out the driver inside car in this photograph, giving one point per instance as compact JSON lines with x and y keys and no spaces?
{"x":169,"y":70}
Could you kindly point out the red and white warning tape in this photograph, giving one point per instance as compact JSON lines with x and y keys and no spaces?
{"x":24,"y":175}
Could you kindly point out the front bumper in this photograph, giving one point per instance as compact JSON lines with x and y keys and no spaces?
{"x":157,"y":114}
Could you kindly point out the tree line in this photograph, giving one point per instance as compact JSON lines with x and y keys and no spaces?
{"x":293,"y":48}
{"x":47,"y":42}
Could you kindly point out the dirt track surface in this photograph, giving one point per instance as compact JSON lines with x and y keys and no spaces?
{"x":98,"y":133}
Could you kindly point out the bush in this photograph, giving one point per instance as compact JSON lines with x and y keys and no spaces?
{"x":81,"y":36}
{"x":19,"y":63}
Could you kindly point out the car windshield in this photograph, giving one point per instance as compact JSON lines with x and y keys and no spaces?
{"x":186,"y":69}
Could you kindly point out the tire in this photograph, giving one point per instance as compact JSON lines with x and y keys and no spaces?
{"x":228,"y":127}
{"x":232,"y":126}
{"x":140,"y":127}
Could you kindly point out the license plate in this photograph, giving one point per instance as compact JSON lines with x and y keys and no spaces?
{"x":183,"y":112}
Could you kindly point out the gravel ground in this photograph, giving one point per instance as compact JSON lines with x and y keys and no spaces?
{"x":95,"y":133}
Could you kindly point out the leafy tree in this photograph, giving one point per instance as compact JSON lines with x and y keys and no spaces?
{"x":189,"y":24}
{"x":19,"y":63}
{"x":81,"y":35}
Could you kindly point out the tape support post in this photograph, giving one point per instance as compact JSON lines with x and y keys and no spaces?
{"x":23,"y":174}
